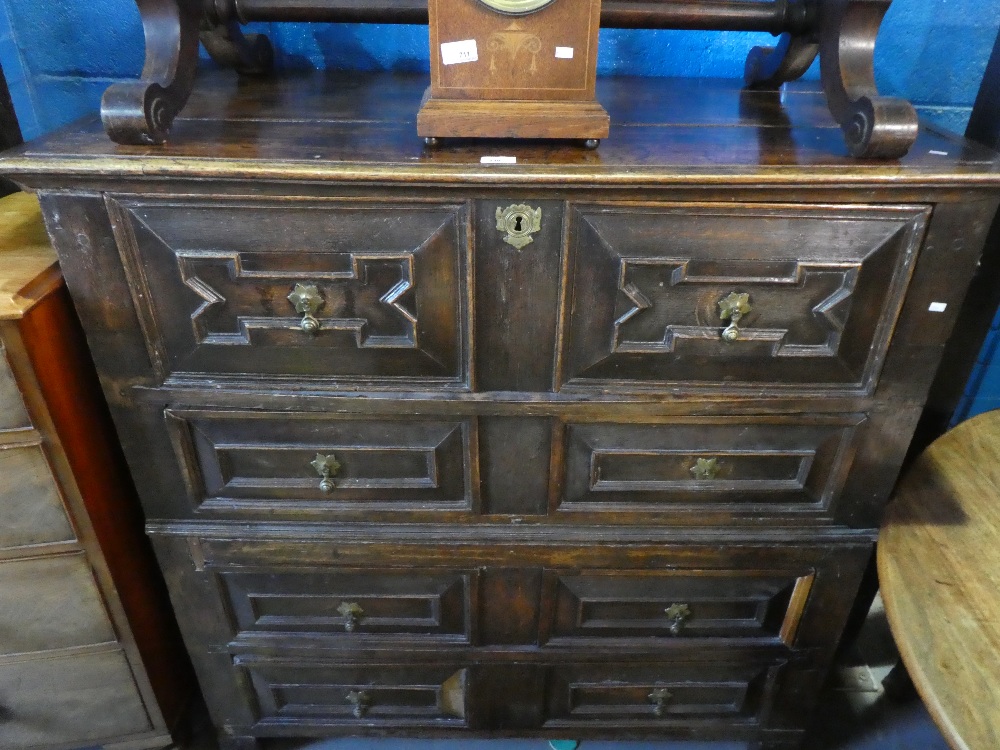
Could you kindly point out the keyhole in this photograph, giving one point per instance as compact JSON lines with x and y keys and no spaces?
{"x":517,"y":223}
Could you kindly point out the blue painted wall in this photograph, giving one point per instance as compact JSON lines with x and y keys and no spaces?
{"x":60,"y":55}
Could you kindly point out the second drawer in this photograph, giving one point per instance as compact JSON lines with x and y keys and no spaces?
{"x":694,"y":470}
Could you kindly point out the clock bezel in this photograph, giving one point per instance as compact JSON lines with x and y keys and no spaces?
{"x":516,"y":7}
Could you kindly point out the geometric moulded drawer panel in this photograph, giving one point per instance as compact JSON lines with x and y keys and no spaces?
{"x":295,"y":461}
{"x":635,"y":606}
{"x":768,"y":464}
{"x":313,"y":693}
{"x":653,"y":290}
{"x":667,"y":695}
{"x":318,"y":291}
{"x":351,"y":605}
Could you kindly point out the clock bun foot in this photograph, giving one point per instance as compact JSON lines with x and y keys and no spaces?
{"x":430,"y":140}
{"x":592,"y":143}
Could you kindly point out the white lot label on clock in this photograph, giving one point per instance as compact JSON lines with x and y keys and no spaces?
{"x":564,"y":53}
{"x":454,"y":53}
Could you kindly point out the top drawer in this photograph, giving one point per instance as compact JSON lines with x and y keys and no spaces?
{"x":312,"y":290}
{"x":652,"y":290}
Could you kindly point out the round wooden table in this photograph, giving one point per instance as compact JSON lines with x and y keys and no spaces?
{"x":939,"y":571}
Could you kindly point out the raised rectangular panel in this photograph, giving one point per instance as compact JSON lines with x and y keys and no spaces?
{"x":676,"y":605}
{"x":70,"y":699}
{"x":13,"y":415}
{"x":50,"y":603}
{"x":31,"y":508}
{"x":774,"y":464}
{"x":823,"y":287}
{"x":669,"y":694}
{"x":351,"y":604}
{"x":313,"y":693}
{"x":267,"y":460}
{"x":212,"y":279}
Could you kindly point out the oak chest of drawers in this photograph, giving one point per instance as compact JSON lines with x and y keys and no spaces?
{"x":590,"y":445}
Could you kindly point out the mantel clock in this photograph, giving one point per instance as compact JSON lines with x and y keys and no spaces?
{"x":513,"y":69}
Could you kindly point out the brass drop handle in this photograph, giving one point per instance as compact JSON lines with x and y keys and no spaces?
{"x":677,"y":615}
{"x":307,"y":301}
{"x":732,"y":308}
{"x":659,"y":698}
{"x":705,"y":469}
{"x":361,"y":701}
{"x":327,"y":467}
{"x":352,"y":614}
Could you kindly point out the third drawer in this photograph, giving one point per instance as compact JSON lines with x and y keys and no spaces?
{"x":473,"y":589}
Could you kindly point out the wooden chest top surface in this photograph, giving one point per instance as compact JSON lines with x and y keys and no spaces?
{"x":354,"y":127}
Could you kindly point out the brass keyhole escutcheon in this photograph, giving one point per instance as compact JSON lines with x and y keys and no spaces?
{"x":361,"y":701}
{"x":352,"y":614}
{"x":705,"y":469}
{"x":307,"y":301}
{"x":732,"y":308}
{"x":659,"y":698}
{"x":327,"y":467}
{"x":677,"y":615}
{"x":519,"y":221}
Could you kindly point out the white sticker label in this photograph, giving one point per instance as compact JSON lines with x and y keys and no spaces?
{"x":938,"y":153}
{"x":564,"y":53}
{"x":938,"y":306}
{"x":498,"y":160}
{"x":454,"y":53}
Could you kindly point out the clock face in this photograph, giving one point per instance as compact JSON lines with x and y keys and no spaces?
{"x":516,"y":7}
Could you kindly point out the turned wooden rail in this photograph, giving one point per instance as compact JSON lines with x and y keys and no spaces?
{"x":841,"y":32}
{"x":776,"y":16}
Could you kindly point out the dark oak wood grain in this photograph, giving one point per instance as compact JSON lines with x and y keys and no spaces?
{"x":665,"y":133}
{"x":491,"y":453}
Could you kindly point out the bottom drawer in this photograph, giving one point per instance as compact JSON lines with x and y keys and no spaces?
{"x":80,"y":699}
{"x":657,"y":695}
{"x":676,"y":697}
{"x":308,"y":694}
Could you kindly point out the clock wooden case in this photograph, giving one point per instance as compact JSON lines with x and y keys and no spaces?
{"x":513,"y":69}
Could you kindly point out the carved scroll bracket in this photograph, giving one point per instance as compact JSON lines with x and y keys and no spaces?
{"x":843,"y":33}
{"x":874,"y":126}
{"x":142,"y":112}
